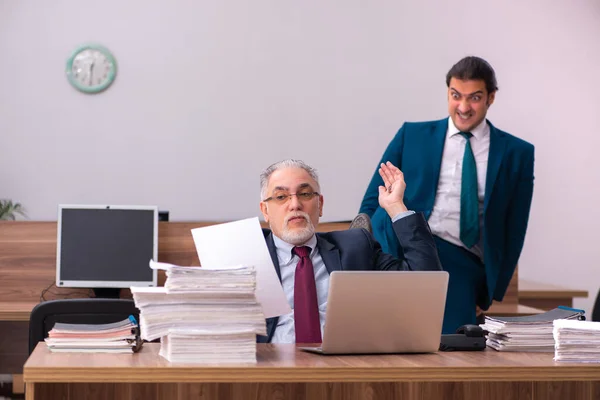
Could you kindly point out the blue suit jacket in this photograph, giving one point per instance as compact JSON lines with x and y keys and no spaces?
{"x":357,"y":250}
{"x":417,"y":151}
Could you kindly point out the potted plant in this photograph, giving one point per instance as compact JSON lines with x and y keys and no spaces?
{"x":10,"y":210}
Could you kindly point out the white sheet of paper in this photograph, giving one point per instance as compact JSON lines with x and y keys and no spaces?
{"x":166,"y":266}
{"x":242,"y":242}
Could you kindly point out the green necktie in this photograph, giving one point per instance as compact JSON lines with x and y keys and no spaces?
{"x":469,"y":200}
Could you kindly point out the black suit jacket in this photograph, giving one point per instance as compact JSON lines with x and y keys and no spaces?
{"x":357,"y":250}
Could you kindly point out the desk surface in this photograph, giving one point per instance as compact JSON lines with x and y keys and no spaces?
{"x":285,"y":363}
{"x":536,"y":290}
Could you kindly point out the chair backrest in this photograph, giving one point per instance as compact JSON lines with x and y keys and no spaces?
{"x":362,"y":220}
{"x":596,"y":310}
{"x":76,"y":311}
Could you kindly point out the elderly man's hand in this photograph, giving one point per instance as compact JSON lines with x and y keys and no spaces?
{"x":391,"y":196}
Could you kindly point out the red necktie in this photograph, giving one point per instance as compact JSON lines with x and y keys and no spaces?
{"x":306,"y":306}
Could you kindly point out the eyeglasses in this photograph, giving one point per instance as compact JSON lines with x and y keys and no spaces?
{"x":283,"y":198}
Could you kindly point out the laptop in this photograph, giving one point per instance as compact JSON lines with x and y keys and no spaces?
{"x":375,"y":312}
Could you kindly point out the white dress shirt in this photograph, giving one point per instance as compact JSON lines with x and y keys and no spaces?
{"x":444,"y":220}
{"x":285,"y":332}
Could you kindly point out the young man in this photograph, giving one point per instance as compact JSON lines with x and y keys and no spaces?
{"x":474,"y":184}
{"x":292,"y":204}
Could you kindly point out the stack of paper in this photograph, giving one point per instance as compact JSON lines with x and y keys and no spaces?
{"x":577,"y":341}
{"x":223,"y":282}
{"x":118,"y":337}
{"x":208,"y":347}
{"x":208,"y":315}
{"x":202,"y":314}
{"x":530,"y":333}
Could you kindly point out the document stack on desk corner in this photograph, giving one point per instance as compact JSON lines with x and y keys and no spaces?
{"x":203,"y":315}
{"x":117,"y":337}
{"x":528,"y":333}
{"x":576,"y":341}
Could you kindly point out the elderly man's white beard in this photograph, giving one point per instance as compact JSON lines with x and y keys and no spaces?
{"x":297,"y":236}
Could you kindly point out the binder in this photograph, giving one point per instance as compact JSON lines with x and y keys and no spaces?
{"x":561,"y":312}
{"x":117,"y":337}
{"x":136,"y":331}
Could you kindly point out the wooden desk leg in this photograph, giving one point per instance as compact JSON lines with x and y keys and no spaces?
{"x":18,"y":384}
{"x":29,"y":391}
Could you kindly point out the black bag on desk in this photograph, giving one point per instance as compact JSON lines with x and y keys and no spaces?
{"x":466,"y":338}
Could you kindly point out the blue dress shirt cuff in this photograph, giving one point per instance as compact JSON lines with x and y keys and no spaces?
{"x":402,"y":215}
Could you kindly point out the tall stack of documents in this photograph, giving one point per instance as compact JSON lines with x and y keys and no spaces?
{"x":529,"y":333}
{"x":118,"y":337}
{"x":202,"y":314}
{"x":576,"y":341}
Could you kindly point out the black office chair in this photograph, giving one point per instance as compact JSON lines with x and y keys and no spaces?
{"x":76,"y":311}
{"x":362,"y":220}
{"x":596,"y":310}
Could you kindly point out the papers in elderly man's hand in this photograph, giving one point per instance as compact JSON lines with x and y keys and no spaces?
{"x":243,"y":243}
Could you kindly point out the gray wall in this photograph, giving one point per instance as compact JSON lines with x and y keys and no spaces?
{"x":208,"y":93}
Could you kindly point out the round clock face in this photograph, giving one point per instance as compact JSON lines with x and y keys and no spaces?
{"x":91,"y":68}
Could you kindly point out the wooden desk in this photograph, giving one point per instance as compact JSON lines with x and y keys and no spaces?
{"x":546,"y":296}
{"x":14,"y":323}
{"x":16,"y":311}
{"x":284,"y":372}
{"x":16,"y":314}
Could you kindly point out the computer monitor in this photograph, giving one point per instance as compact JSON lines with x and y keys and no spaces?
{"x":106,"y":246}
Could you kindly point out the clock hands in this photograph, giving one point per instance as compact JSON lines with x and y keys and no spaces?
{"x":92,"y":73}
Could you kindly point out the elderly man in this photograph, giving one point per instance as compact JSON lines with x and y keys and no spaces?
{"x":292,"y":204}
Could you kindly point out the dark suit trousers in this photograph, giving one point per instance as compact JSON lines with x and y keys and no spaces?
{"x":466,"y":285}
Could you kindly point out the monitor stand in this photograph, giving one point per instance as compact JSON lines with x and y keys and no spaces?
{"x":107,"y":293}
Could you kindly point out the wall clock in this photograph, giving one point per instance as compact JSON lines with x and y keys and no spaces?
{"x":91,"y":68}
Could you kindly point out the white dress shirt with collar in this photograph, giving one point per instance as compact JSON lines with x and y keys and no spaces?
{"x":285,"y":332}
{"x":444,"y":220}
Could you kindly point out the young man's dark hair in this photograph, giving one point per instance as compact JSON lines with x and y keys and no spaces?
{"x":474,"y":68}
